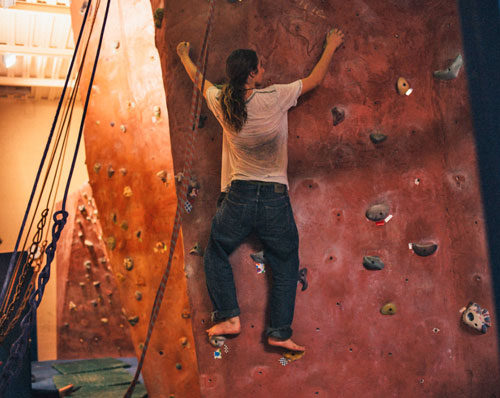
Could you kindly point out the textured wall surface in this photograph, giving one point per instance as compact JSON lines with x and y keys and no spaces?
{"x":90,"y":322}
{"x":425,"y":172}
{"x":127,"y":144}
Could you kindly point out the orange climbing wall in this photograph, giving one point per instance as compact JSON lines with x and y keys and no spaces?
{"x":425,"y":172}
{"x":131,"y":174}
{"x":90,"y":322}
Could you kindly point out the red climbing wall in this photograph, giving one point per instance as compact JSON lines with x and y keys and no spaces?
{"x":130,"y":168}
{"x":90,"y":322}
{"x":425,"y":172}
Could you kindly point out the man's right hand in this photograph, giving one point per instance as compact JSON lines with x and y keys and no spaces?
{"x":183,"y":48}
{"x":334,"y":38}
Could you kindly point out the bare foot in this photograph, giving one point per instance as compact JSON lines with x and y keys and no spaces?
{"x":229,"y":326}
{"x":289,"y":344}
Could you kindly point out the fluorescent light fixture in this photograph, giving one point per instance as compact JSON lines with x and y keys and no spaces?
{"x":9,"y":60}
{"x":7,"y":3}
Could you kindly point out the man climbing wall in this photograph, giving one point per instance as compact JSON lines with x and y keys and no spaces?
{"x":254,"y":185}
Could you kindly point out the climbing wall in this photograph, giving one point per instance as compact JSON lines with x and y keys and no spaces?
{"x":411,"y":154}
{"x":130,"y":168}
{"x":90,"y":322}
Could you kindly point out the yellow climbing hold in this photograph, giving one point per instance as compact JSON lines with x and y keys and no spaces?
{"x":127,"y":192}
{"x":294,"y":355}
{"x":388,"y":309}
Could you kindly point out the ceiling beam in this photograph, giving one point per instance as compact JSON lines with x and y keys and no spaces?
{"x":37,"y":7}
{"x":31,"y":82}
{"x":21,"y":50}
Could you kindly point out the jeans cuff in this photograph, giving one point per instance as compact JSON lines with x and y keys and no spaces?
{"x":283,"y":333}
{"x":220,"y":316}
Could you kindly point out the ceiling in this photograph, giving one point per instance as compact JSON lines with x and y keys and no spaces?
{"x":39,"y":34}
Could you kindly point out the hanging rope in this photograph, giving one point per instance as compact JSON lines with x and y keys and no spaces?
{"x":19,"y":347}
{"x":183,"y":204}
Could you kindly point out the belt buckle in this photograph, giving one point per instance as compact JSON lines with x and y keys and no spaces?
{"x":279,"y":188}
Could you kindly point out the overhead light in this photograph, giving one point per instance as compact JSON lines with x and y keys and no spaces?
{"x":7,"y":3}
{"x":9,"y":60}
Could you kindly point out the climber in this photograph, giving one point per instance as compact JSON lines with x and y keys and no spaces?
{"x":254,"y":185}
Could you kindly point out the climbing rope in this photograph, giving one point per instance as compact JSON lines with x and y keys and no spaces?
{"x":19,"y":347}
{"x":183,"y":204}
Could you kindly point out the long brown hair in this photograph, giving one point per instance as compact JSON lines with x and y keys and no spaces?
{"x":239,"y":64}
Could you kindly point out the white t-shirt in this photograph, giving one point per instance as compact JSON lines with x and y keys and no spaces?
{"x":259,"y":151}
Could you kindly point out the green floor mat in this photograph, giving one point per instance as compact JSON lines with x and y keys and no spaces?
{"x":109,"y":392}
{"x":95,"y":379}
{"x":89,"y":365}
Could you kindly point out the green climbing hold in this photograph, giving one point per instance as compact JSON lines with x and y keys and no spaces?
{"x":377,"y":138}
{"x":388,"y":309}
{"x":373,"y":263}
{"x":158,"y":17}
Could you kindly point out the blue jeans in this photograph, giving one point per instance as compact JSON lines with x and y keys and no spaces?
{"x":263,"y":208}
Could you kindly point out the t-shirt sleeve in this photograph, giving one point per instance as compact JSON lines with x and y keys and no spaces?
{"x":213,"y":103}
{"x":288,"y":94}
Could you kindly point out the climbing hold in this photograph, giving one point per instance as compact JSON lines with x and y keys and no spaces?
{"x":178,"y":366}
{"x":93,"y":302}
{"x":258,"y":257}
{"x":217,"y":341}
{"x":186,"y":314}
{"x":201,"y":121}
{"x":82,"y":284}
{"x":377,"y":138}
{"x":72,"y":306}
{"x":133,"y":320}
{"x":293,"y":355}
{"x":124,"y":225}
{"x":403,"y":87}
{"x":97,"y":167}
{"x":377,"y":212}
{"x":66,"y":325}
{"x":158,"y":17}
{"x":138,"y":295}
{"x":111,"y":171}
{"x":451,"y":72}
{"x":114,"y":218}
{"x":197,"y":250}
{"x":123,"y":171}
{"x":193,"y":188}
{"x":111,"y":242}
{"x":424,"y":250}
{"x":157,"y":112}
{"x":179,"y":176}
{"x":373,"y":263}
{"x":183,"y":341}
{"x":120,"y":277}
{"x":162,"y":175}
{"x":112,"y":124}
{"x":160,"y":247}
{"x":88,"y":244}
{"x":476,"y":317}
{"x":138,"y":235}
{"x":82,"y":210}
{"x":128,"y":262}
{"x":338,"y":115}
{"x":87,"y":264}
{"x":388,"y":309}
{"x":303,"y":278}
{"x":127,"y":192}
{"x":103,"y":260}
{"x":140,"y":281}
{"x":116,"y":45}
{"x":123,"y":128}
{"x":96,"y":284}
